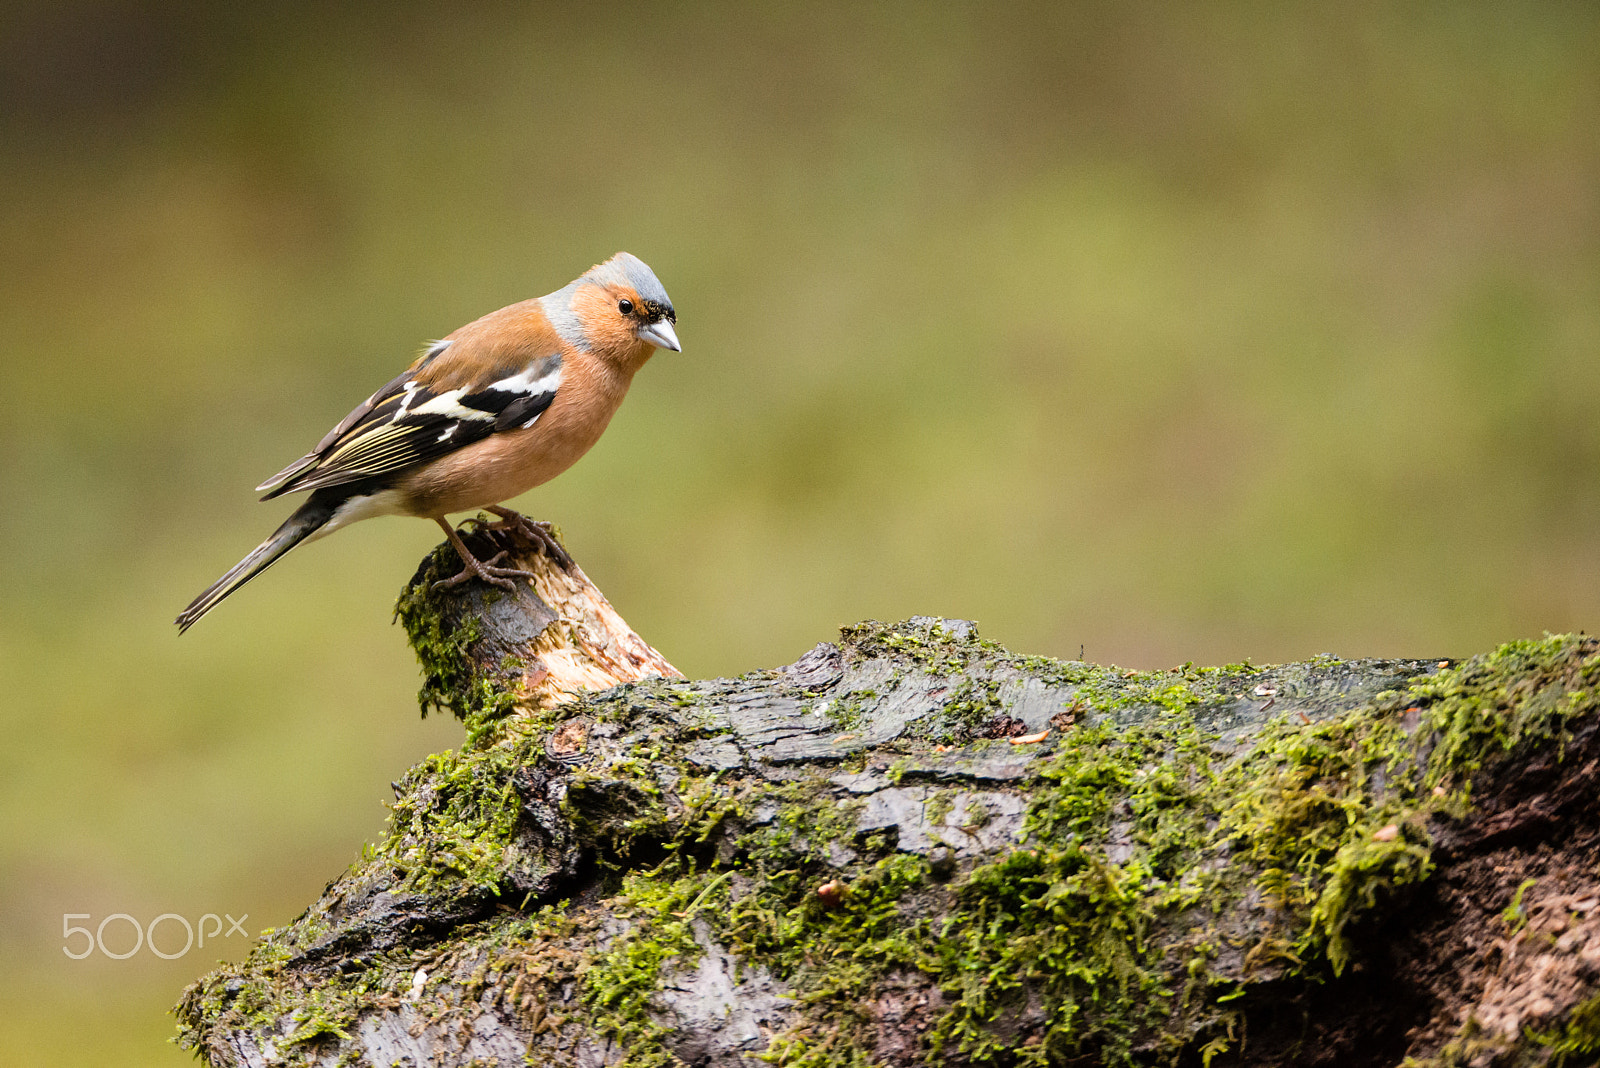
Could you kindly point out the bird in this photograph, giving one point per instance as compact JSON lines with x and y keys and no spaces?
{"x":504,"y":404}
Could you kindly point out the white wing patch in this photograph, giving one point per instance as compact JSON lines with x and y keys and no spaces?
{"x":410,"y":389}
{"x":445,"y":404}
{"x":527,"y":383}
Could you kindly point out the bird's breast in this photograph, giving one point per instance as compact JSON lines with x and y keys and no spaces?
{"x":511,"y":462}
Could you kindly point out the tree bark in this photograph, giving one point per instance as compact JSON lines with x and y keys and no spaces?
{"x":915,"y":847}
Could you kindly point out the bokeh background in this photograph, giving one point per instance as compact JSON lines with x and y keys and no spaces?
{"x":1189,"y":331}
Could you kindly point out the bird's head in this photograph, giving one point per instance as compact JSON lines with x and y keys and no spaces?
{"x":618,"y":309}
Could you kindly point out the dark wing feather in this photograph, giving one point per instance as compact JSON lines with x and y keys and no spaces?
{"x":279,"y":483}
{"x":406,"y":424}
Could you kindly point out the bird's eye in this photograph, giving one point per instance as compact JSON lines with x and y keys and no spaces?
{"x":625,"y":307}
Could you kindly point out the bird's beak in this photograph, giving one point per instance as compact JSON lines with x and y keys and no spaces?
{"x":661,"y":335}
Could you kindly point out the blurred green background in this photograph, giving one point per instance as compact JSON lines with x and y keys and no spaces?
{"x":1172,"y":331}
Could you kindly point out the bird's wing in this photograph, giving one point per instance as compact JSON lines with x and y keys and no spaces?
{"x":408,"y":423}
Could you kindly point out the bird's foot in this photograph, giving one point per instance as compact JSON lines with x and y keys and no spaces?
{"x":473,"y":568}
{"x":541,"y":534}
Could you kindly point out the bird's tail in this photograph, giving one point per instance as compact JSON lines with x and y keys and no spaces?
{"x":309,"y":518}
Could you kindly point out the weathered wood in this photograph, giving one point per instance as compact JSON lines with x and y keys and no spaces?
{"x":912,"y":846}
{"x":545,"y":641}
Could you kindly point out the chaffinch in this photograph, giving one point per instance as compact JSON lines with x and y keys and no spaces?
{"x":500,"y":406}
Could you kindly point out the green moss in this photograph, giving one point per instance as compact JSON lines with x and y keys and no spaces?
{"x":455,"y":817}
{"x":1524,"y":693}
{"x":1513,"y":915}
{"x":928,"y":643}
{"x":830,"y":952}
{"x":1097,"y":938}
{"x":938,"y":806}
{"x":1579,"y":1038}
{"x":1057,"y":927}
{"x":971,"y":705}
{"x":619,"y":983}
{"x":1303,"y":808}
{"x":848,"y":711}
{"x":449,"y":682}
{"x":323,"y":1014}
{"x":1360,"y":872}
{"x":261,"y":995}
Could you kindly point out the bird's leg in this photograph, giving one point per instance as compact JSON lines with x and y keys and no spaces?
{"x":538,"y":533}
{"x":472,"y":567}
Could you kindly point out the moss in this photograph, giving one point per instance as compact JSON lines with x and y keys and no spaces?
{"x":1513,"y":916}
{"x":440,"y":647}
{"x":1057,"y":927}
{"x":323,"y":1014}
{"x":1579,"y":1040}
{"x":1100,"y":937}
{"x":831,"y":953}
{"x":941,"y":647}
{"x":1361,"y":871}
{"x":1063,"y":931}
{"x":938,"y":806}
{"x":848,"y":711}
{"x":456,"y":815}
{"x":449,"y":682}
{"x":620,"y":982}
{"x":967,"y":711}
{"x":300,"y":1021}
{"x":1492,"y":705}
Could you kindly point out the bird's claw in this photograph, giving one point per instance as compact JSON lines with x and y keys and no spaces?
{"x":487,"y":572}
{"x":538,"y":533}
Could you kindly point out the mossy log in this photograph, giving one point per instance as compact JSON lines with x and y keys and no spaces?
{"x":914,"y":847}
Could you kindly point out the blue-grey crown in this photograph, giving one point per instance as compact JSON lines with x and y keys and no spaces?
{"x":622,"y":269}
{"x":627,"y":269}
